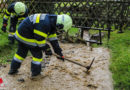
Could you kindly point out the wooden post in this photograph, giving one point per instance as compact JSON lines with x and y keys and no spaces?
{"x":86,"y":37}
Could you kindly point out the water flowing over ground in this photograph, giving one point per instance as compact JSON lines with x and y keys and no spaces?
{"x":59,"y":75}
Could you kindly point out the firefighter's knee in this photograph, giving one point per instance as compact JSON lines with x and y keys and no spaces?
{"x":18,"y":58}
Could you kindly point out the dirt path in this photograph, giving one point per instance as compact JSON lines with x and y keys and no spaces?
{"x":65,"y":75}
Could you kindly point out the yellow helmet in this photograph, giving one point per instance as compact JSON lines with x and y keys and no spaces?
{"x":66,"y":20}
{"x":20,"y":8}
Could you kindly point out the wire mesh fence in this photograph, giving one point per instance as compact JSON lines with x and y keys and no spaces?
{"x":85,"y":13}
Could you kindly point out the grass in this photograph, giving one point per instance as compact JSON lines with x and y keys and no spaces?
{"x":73,"y":31}
{"x":119,"y":45}
{"x":6,"y":51}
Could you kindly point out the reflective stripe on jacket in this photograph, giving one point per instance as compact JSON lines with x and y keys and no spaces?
{"x":36,"y":28}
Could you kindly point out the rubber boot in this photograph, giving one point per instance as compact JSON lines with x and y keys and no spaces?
{"x":11,"y":40}
{"x":14,"y":67}
{"x":36,"y":71}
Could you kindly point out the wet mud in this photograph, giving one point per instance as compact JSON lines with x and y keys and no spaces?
{"x":59,"y":75}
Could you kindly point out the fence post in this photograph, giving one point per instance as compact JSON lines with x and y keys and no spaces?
{"x":100,"y":36}
{"x":86,"y":37}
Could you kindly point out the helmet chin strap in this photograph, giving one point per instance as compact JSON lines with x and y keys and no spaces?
{"x":60,"y":26}
{"x":20,"y":14}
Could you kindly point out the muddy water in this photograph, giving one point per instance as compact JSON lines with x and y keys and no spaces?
{"x":60,"y":75}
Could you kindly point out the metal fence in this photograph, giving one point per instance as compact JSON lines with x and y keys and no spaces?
{"x":86,"y":14}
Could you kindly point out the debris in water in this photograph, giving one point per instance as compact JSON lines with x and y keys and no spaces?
{"x":2,"y":65}
{"x":91,"y":86}
{"x":21,"y":80}
{"x":87,"y":72}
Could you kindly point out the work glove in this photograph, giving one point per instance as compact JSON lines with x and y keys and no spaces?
{"x":3,"y":28}
{"x":61,"y":58}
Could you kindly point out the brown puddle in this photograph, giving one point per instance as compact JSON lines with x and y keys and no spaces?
{"x":60,"y":75}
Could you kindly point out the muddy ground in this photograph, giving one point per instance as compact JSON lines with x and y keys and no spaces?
{"x":60,"y":75}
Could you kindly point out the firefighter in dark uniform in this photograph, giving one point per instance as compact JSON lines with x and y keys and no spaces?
{"x":31,"y":36}
{"x":17,"y":12}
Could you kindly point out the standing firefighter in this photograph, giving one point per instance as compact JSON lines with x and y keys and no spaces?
{"x":17,"y":12}
{"x":32,"y":34}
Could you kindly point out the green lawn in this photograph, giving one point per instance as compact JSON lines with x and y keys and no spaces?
{"x":119,"y":45}
{"x":6,"y":51}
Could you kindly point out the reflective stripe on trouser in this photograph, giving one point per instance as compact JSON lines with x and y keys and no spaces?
{"x":11,"y":38}
{"x":21,"y":52}
{"x":11,"y":34}
{"x":36,"y":60}
{"x":18,"y":58}
{"x":37,"y":55}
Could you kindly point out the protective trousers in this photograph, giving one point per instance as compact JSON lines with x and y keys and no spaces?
{"x":12,"y":29}
{"x":21,"y":55}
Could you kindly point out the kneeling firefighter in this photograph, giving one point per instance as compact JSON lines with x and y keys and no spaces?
{"x":31,"y":36}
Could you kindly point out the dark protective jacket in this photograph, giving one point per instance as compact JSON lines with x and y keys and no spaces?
{"x":35,"y":29}
{"x":11,"y":11}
